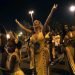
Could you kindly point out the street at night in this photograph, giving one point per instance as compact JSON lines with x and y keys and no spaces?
{"x":37,"y":37}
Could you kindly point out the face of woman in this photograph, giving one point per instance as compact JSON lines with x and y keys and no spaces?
{"x":36,"y":25}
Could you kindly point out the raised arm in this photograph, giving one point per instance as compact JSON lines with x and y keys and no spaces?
{"x":23,"y":27}
{"x":50,"y":15}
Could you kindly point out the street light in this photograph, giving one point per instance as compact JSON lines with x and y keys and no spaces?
{"x":72,"y":8}
{"x":31,"y":12}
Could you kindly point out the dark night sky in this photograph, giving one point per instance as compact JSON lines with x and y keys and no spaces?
{"x":11,"y":9}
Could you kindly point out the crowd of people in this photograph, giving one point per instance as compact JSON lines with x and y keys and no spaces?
{"x":43,"y":47}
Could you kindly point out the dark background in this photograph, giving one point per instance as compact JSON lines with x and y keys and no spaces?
{"x":12,"y":9}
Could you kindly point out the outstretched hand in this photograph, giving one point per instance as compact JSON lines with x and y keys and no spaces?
{"x":55,"y":6}
{"x":16,"y":20}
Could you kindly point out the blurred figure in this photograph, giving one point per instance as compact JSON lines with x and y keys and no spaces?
{"x":56,"y":41}
{"x":69,"y":42}
{"x":13,"y":61}
{"x":65,"y":31}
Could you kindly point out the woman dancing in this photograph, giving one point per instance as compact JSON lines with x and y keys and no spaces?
{"x":40,"y":56}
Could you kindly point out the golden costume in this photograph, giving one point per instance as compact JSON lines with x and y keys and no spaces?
{"x":41,"y":55}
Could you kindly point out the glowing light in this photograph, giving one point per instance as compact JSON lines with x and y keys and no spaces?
{"x":20,"y":34}
{"x":31,"y":12}
{"x":72,"y":8}
{"x":8,"y":36}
